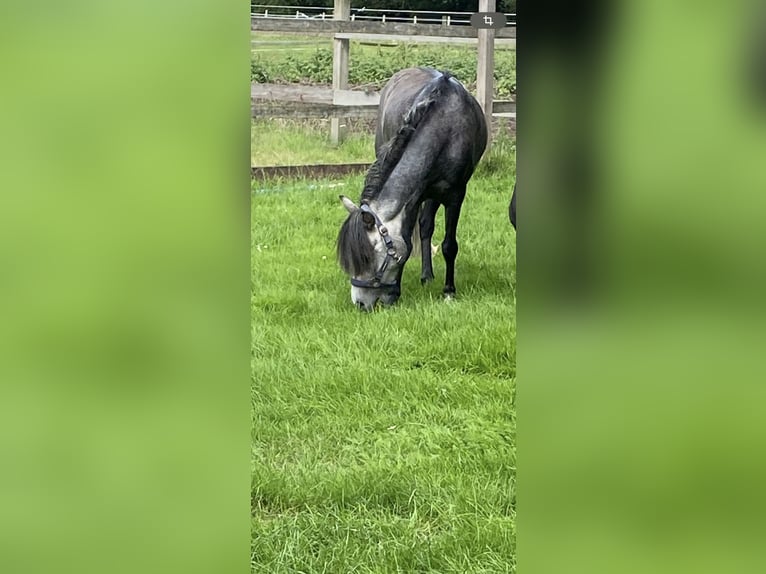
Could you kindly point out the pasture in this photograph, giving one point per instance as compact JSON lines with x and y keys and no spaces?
{"x":287,"y":141}
{"x":304,"y":142}
{"x":381,"y":442}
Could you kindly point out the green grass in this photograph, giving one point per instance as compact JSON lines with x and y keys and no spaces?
{"x":304,"y":142}
{"x":382,"y":442}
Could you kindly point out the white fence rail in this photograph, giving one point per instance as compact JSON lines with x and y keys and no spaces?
{"x":370,"y":14}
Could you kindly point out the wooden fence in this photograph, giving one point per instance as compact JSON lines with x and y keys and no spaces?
{"x":298,"y":101}
{"x":355,"y":103}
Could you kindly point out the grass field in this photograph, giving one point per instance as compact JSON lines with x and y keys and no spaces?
{"x":303,"y":142}
{"x":382,"y":442}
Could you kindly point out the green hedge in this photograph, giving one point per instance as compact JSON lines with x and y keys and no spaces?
{"x":372,"y":67}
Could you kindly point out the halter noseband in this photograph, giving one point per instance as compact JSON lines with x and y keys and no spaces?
{"x":376,"y":282}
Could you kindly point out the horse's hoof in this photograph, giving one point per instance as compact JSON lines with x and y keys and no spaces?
{"x":424,"y":280}
{"x":449,"y":297}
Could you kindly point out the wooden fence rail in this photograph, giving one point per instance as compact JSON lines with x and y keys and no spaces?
{"x":331,"y":27}
{"x":294,"y":101}
{"x":276,"y":109}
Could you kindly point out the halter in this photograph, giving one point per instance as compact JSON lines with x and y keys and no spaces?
{"x":375,"y":283}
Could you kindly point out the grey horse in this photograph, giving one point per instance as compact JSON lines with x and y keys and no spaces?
{"x":430,"y":135}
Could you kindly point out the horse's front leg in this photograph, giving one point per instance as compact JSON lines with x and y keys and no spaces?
{"x":426,"y":223}
{"x":450,"y":246}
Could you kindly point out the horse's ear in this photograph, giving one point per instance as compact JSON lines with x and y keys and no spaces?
{"x":348,"y":204}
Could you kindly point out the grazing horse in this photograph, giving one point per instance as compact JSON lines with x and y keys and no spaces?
{"x":512,"y":207}
{"x":430,"y":135}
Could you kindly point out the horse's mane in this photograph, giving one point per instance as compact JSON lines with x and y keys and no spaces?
{"x":354,"y":250}
{"x":391,"y":152}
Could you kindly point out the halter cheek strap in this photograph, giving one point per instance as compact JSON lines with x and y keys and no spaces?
{"x":376,"y":282}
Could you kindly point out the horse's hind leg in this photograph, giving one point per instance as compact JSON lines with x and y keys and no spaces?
{"x":426,"y":222}
{"x":450,"y":246}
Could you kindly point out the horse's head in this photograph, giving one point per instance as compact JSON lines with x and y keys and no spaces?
{"x":372,"y":252}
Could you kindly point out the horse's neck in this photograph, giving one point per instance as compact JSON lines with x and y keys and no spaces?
{"x":399,"y":200}
{"x":397,"y":210}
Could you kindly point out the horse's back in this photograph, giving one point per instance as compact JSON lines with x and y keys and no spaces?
{"x":397,"y":97}
{"x":457,"y":118}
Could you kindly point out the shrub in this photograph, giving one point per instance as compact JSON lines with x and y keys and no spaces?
{"x":372,"y":67}
{"x":318,"y":69}
{"x":258,"y":71}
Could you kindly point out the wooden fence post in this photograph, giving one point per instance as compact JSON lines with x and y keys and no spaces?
{"x":485,"y":69}
{"x":340,"y":53}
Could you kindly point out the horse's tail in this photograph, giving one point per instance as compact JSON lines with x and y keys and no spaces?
{"x":425,"y":100}
{"x":416,"y":235}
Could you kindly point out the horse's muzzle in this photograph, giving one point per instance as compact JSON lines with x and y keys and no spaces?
{"x":368,"y":299}
{"x":391,"y":298}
